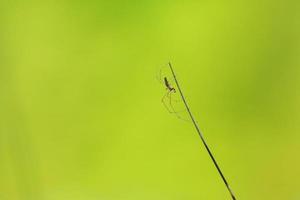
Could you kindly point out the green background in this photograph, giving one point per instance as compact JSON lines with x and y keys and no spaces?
{"x":81,"y":116}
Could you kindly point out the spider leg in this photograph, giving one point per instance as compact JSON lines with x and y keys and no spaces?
{"x":163,"y":101}
{"x":170,"y":101}
{"x":175,"y":100}
{"x":169,"y":94}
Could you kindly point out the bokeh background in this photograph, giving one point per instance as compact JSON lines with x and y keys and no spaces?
{"x":80,"y":108}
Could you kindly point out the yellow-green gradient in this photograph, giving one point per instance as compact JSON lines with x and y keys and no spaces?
{"x":80,"y":109}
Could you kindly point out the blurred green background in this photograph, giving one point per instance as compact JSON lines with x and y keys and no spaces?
{"x":80,"y":109}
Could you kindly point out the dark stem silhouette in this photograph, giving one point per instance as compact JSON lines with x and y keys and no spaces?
{"x":200,"y":134}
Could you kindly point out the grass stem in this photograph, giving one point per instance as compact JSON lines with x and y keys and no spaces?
{"x":200,"y":134}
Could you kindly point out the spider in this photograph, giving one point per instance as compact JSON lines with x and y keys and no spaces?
{"x":171,"y":90}
{"x":168,"y":96}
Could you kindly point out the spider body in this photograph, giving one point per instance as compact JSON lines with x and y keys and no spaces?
{"x":168,"y":86}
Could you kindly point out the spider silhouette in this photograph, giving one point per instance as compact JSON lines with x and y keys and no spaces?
{"x":167,"y":99}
